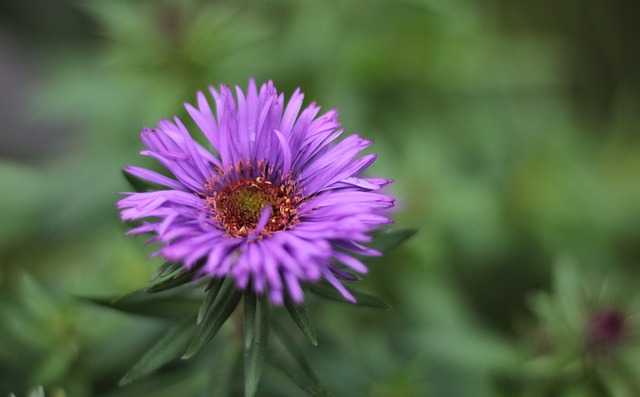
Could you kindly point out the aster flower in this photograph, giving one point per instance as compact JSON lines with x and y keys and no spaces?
{"x":275,"y":204}
{"x":585,"y":336}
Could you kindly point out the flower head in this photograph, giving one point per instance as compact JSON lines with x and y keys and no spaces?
{"x":606,"y":328}
{"x":274,"y":204}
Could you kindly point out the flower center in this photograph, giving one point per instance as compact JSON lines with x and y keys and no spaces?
{"x":239,"y":205}
{"x":607,"y":327}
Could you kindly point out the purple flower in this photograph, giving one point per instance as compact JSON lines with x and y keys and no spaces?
{"x":606,"y":328}
{"x":276,"y":203}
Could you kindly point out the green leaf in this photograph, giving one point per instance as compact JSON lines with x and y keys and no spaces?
{"x":326,"y":290}
{"x":300,"y":315}
{"x":214,"y":317}
{"x":250,"y":306}
{"x":386,"y":239}
{"x":289,"y":357}
{"x":223,"y":382}
{"x":161,"y":305}
{"x":212,"y":291}
{"x":167,"y":349}
{"x":257,"y":342}
{"x":175,"y":279}
{"x":164,"y":269}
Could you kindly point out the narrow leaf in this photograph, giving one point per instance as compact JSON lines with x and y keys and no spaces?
{"x":325,"y":290}
{"x":228,"y":371}
{"x":161,"y":304}
{"x":255,"y":353}
{"x":300,"y":315}
{"x":386,"y":239}
{"x":164,"y":269}
{"x":250,"y":301}
{"x":175,"y":279}
{"x":212,"y":291}
{"x":289,"y":357}
{"x":214,"y":317}
{"x":168,"y":348}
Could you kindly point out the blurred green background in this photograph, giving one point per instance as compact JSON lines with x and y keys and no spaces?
{"x":510,"y":128}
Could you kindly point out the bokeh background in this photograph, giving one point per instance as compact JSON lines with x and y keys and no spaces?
{"x":510,"y":128}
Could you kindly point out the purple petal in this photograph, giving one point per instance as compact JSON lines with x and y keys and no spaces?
{"x":153,"y":177}
{"x":337,"y":285}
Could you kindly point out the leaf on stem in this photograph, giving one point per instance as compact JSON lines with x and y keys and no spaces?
{"x":164,"y":269}
{"x":172,"y":280}
{"x":250,"y":302}
{"x":168,"y":304}
{"x":215,"y":315}
{"x":300,"y":316}
{"x":386,"y":239}
{"x":326,"y":290}
{"x":168,"y":348}
{"x":212,"y":292}
{"x":255,"y":344}
{"x":289,"y":357}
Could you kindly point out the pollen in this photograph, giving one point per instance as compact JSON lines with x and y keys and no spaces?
{"x":237,"y":206}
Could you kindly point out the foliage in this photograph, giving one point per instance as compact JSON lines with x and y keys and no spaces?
{"x":511,"y":133}
{"x":192,"y":333}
